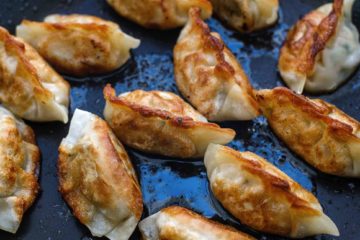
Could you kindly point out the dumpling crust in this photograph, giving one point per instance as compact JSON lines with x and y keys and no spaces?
{"x":79,"y":45}
{"x":29,"y":87}
{"x":209,"y":76}
{"x":321,"y":50}
{"x":320,"y":133}
{"x":97,"y":179}
{"x":263,"y":197}
{"x":178,"y":223}
{"x":247,"y":15}
{"x":19,"y":166}
{"x":162,"y":123}
{"x":161,"y":14}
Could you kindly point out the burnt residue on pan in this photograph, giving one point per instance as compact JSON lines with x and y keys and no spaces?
{"x":168,"y":181}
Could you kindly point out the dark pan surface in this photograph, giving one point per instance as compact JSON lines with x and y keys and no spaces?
{"x":172,"y":181}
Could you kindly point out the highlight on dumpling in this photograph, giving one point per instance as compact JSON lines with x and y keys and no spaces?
{"x":247,"y":15}
{"x":162,"y":123}
{"x":178,"y":223}
{"x":79,"y":45}
{"x":164,"y":14}
{"x":209,"y":76}
{"x":29,"y":87}
{"x":263,"y":197}
{"x":19,"y":167}
{"x":322,"y":50}
{"x":97,"y":179}
{"x":317,"y":131}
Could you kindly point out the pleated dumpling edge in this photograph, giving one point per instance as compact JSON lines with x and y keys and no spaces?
{"x":209,"y":76}
{"x":322,"y":50}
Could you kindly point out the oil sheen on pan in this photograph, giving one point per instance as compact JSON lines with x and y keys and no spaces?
{"x":168,"y":181}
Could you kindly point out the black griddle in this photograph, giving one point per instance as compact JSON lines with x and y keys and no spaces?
{"x":167,"y":181}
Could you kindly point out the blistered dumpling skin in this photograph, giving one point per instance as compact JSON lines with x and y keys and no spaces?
{"x":162,"y":123}
{"x":79,"y":45}
{"x":247,"y":15}
{"x":19,"y":166}
{"x":209,"y":76}
{"x":263,"y":197}
{"x":178,"y":223}
{"x":322,"y":50}
{"x":160,"y":14}
{"x":97,"y":179}
{"x":320,"y":133}
{"x":29,"y":87}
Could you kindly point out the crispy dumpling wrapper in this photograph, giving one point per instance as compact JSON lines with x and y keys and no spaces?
{"x":162,"y":123}
{"x":164,"y":14}
{"x":19,"y":167}
{"x":209,"y":76}
{"x":29,"y":87}
{"x":322,"y":50}
{"x":247,"y":15}
{"x":263,"y":197}
{"x":320,"y":133}
{"x":97,"y":179}
{"x":79,"y":45}
{"x":178,"y":223}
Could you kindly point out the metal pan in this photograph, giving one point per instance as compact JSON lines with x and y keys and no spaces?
{"x":173,"y":181}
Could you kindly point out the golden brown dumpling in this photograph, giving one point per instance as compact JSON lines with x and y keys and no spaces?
{"x":322,"y":50}
{"x":19,"y":167}
{"x":247,"y":15}
{"x":317,"y":131}
{"x":263,"y":197}
{"x":178,"y":223}
{"x":209,"y":76}
{"x":97,"y":179}
{"x":79,"y":45}
{"x":29,"y":87}
{"x":162,"y":123}
{"x":161,"y":14}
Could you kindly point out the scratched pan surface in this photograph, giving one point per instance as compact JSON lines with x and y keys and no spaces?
{"x":172,"y":181}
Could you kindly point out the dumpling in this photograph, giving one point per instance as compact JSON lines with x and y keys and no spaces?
{"x":164,"y":14}
{"x":322,"y":50}
{"x":247,"y":15}
{"x":29,"y":87}
{"x":178,"y":223}
{"x":162,"y":123}
{"x":263,"y":197}
{"x":209,"y":76}
{"x":320,"y":133}
{"x":97,"y":178}
{"x":79,"y":45}
{"x":19,"y":167}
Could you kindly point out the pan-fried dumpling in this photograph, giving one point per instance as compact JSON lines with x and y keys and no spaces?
{"x":247,"y":15}
{"x":209,"y":76}
{"x":164,"y":14}
{"x":79,"y":45}
{"x":29,"y":87}
{"x":162,"y":123}
{"x":320,"y":133}
{"x":263,"y":197}
{"x":322,"y":50}
{"x":19,"y":163}
{"x":97,"y":179}
{"x":178,"y":223}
